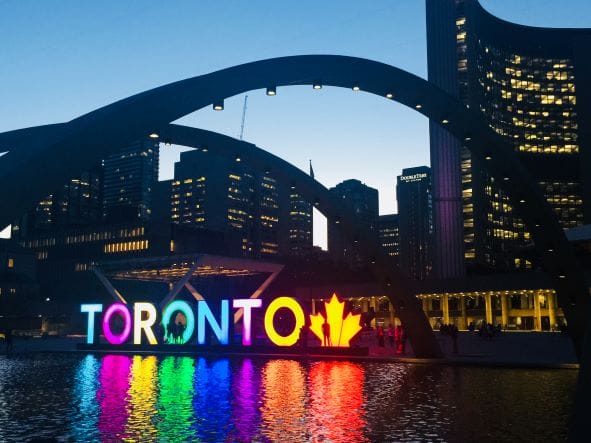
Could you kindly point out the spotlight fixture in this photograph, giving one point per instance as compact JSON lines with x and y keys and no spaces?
{"x":389,"y":95}
{"x":356,"y":87}
{"x":272,"y":90}
{"x":317,"y":85}
{"x":153,"y":135}
{"x":218,"y":106}
{"x":418,"y":106}
{"x":445,"y":121}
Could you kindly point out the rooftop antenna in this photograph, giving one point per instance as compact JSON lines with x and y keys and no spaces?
{"x":243,"y":116}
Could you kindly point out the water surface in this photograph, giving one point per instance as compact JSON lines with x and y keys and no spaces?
{"x":149,"y":398}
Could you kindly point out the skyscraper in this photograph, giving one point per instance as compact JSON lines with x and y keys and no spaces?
{"x":389,"y":232}
{"x":363,"y":201}
{"x":413,"y":192}
{"x":130,"y":176}
{"x":532,"y":86}
{"x":76,"y":203}
{"x":300,"y":224}
{"x":230,"y":196}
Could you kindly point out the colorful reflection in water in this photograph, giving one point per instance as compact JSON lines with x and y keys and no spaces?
{"x":85,"y":407}
{"x":284,"y":401}
{"x":175,"y":398}
{"x":336,"y":393}
{"x":121,"y":398}
{"x":112,"y":396}
{"x":141,"y":423}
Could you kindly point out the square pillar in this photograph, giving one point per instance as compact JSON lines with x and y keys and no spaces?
{"x":445,"y":308}
{"x":426,"y":306}
{"x":537,"y":313}
{"x":552,"y":309}
{"x":488,"y":307}
{"x":463,"y":309}
{"x":504,"y":310}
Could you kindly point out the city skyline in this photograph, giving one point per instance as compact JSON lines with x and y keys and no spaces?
{"x":298,"y":124}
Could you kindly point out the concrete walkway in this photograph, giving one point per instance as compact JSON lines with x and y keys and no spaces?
{"x":509,"y":349}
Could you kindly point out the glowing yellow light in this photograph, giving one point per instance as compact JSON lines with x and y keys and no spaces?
{"x":342,"y":330}
{"x":153,"y":135}
{"x":296,"y":309}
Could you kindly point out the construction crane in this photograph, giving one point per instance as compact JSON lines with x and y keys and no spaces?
{"x":243,"y":116}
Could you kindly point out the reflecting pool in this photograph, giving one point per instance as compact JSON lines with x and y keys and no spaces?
{"x":149,"y":398}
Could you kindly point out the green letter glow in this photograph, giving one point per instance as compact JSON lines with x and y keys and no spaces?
{"x":183,"y":306}
{"x":220,"y":331}
{"x":91,"y":309}
{"x":146,"y":325}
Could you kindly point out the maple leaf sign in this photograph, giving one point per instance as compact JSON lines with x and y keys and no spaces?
{"x":342,"y":330}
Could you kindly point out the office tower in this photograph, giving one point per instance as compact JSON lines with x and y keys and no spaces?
{"x":533,"y":87}
{"x":130,"y":176}
{"x":389,"y":232}
{"x":363,"y":201}
{"x":232,"y":197}
{"x":76,"y":203}
{"x":413,"y":192}
{"x":300,"y":224}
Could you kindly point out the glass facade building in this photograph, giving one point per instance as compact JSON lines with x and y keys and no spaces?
{"x":532,"y":85}
{"x":229,"y":196}
{"x":363,"y":201}
{"x":415,"y":209}
{"x":389,"y":231}
{"x":130,"y":176}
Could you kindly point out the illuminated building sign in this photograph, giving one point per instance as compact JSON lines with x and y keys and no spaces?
{"x":413,"y":177}
{"x":122,"y":323}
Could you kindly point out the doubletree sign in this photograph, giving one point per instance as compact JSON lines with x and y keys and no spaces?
{"x":334,"y":329}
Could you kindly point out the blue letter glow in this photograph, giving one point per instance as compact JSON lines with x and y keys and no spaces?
{"x":220,"y":331}
{"x":91,"y":309}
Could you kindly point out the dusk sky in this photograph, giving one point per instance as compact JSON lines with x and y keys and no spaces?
{"x":61,"y":59}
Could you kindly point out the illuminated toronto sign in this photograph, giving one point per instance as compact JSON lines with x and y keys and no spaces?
{"x":137,"y":323}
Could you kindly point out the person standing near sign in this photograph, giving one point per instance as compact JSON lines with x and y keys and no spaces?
{"x":326,"y":334}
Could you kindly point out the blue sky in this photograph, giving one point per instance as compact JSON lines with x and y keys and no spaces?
{"x":63,"y":58}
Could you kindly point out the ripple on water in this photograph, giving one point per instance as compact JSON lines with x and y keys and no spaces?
{"x":148,"y":398}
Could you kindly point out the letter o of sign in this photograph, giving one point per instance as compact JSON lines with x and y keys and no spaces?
{"x":124,"y":312}
{"x":300,"y":320}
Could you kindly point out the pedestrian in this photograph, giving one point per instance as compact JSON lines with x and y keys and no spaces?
{"x":381,"y":338}
{"x":404,"y":337}
{"x":398,"y":337}
{"x":391,"y":335}
{"x":326,"y":334}
{"x":453,"y":333}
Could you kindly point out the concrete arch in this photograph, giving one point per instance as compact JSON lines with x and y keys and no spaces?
{"x":103,"y":131}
